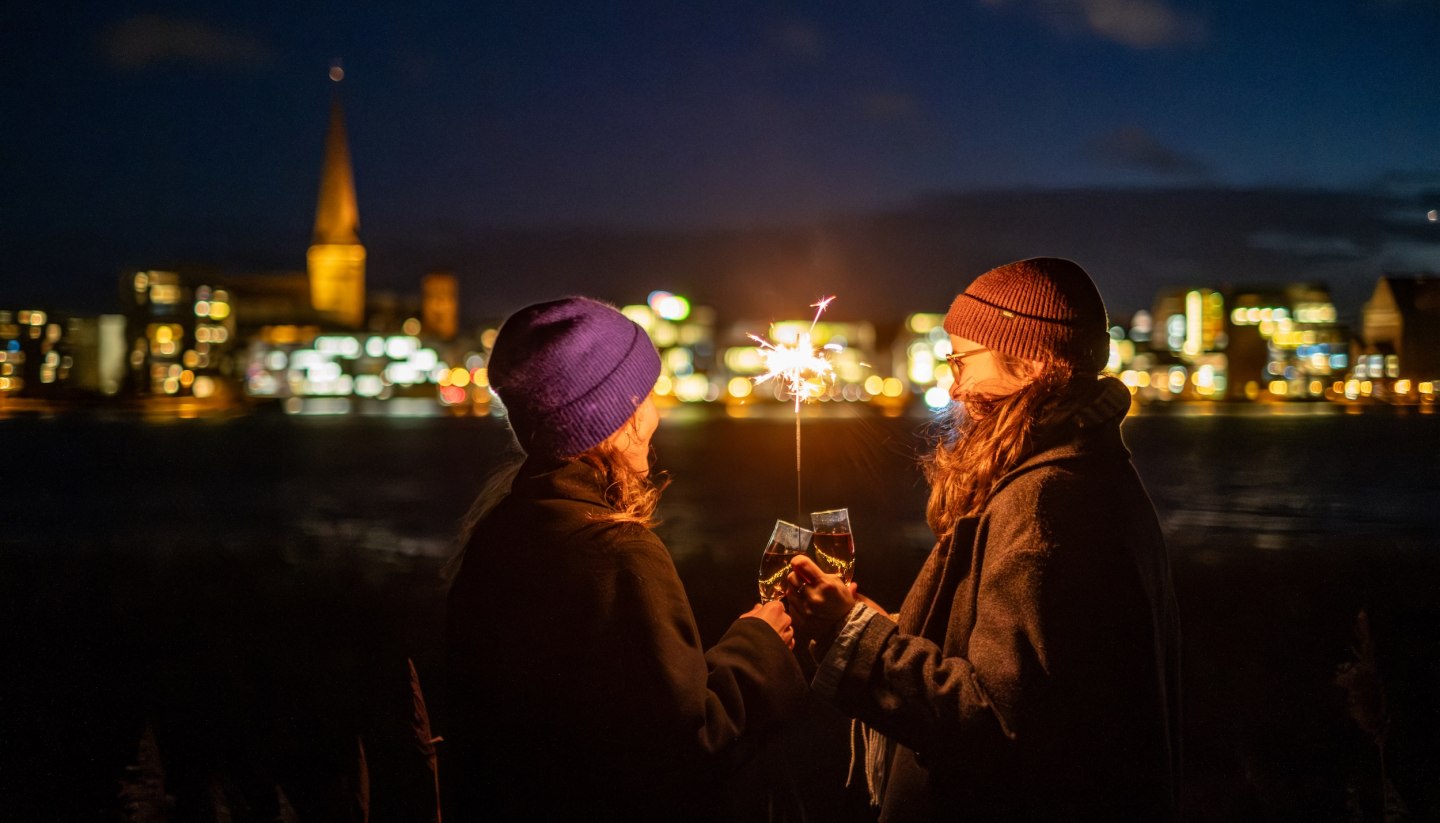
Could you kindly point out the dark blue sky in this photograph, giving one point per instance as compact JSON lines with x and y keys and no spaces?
{"x":152,"y":133}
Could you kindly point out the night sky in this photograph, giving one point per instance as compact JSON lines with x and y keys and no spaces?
{"x":753,"y":154}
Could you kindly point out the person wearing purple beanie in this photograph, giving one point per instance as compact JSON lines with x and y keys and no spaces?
{"x":1032,"y":672}
{"x":578,"y":687}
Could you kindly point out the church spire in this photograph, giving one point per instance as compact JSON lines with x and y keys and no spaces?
{"x":336,"y":260}
{"x":337,"y":216}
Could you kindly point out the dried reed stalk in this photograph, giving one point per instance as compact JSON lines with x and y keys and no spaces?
{"x":142,"y":787}
{"x":284,"y":812}
{"x":425,"y":739}
{"x":362,"y":783}
{"x":1365,"y":704}
{"x":219,"y":805}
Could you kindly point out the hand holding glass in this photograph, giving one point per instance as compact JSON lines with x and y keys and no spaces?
{"x":834,"y":544}
{"x":786,"y":541}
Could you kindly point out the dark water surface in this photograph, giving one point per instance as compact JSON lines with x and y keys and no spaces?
{"x":249,"y":589}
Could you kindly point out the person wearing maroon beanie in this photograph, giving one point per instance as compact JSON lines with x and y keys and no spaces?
{"x":578,"y":687}
{"x":1032,"y":672}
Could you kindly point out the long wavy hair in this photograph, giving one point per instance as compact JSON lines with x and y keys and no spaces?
{"x":633,"y":496}
{"x":982,"y":437}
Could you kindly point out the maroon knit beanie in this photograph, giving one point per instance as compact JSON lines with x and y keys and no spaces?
{"x":570,"y":373}
{"x":1036,"y":309}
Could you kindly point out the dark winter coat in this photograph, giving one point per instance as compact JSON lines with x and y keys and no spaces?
{"x":1034,"y":670}
{"x":579,"y":688}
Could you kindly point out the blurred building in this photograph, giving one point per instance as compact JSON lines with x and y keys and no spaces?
{"x":918,"y":365}
{"x":278,"y":299}
{"x":337,"y":373}
{"x":684,"y":335}
{"x":36,"y":355}
{"x":440,"y":305}
{"x":388,"y":312}
{"x":1286,"y":343}
{"x":396,"y":365}
{"x":1400,"y":327}
{"x":181,"y":333}
{"x":1178,"y":349}
{"x":100,"y":348}
{"x":1278,"y":342}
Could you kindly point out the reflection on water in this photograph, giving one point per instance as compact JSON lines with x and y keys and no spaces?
{"x":398,"y":487}
{"x":1298,"y":482}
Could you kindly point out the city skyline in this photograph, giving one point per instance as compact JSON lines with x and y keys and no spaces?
{"x":320,"y":337}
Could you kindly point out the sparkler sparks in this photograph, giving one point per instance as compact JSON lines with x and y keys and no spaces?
{"x":805,"y":372}
{"x":802,"y":368}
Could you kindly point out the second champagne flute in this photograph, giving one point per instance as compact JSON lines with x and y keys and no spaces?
{"x":834,"y":544}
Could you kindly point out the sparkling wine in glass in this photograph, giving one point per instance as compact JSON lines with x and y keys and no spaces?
{"x":786,"y":541}
{"x":834,"y":545}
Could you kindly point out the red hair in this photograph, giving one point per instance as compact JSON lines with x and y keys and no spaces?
{"x":984,"y":437}
{"x":632,"y":495}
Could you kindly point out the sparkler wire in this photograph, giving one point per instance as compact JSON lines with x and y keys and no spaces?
{"x":796,"y":365}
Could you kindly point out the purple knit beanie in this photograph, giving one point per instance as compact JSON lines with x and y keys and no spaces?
{"x":570,"y":373}
{"x":1035,"y":309}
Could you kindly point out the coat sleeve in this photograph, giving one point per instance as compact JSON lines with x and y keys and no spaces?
{"x":943,"y":705}
{"x":696,"y":702}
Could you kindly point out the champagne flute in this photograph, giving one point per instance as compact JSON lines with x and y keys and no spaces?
{"x":833,"y":542}
{"x":786,"y":541}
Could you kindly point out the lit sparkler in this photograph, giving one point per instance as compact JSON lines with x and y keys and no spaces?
{"x":803,"y":369}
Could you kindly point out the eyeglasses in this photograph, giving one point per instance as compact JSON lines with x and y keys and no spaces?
{"x":957,"y":359}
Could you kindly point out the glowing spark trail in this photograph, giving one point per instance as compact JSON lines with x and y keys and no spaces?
{"x":804,"y":371}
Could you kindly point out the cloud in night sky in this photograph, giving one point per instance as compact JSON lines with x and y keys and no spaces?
{"x":151,"y":39}
{"x":1136,"y":149}
{"x":1418,"y":182}
{"x":1139,"y":24}
{"x":798,"y":38}
{"x":1307,"y":246}
{"x":884,"y":107}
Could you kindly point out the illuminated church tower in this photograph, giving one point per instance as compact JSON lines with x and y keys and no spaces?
{"x":336,"y":261}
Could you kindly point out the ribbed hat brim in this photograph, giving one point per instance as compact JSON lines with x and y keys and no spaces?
{"x":1038,"y":309}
